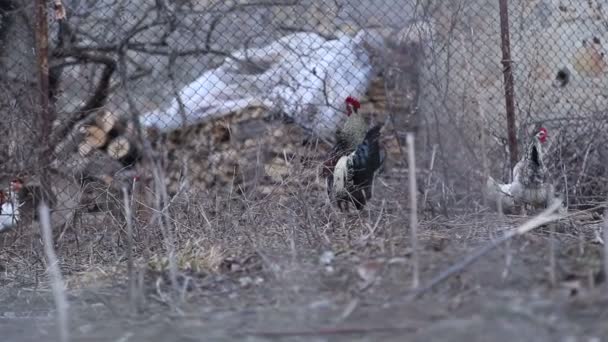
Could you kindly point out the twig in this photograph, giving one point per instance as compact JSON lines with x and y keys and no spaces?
{"x":162,"y":205}
{"x":582,"y":169}
{"x":176,"y":92}
{"x":543,"y":218}
{"x":427,"y":184}
{"x":605,"y":228}
{"x":130,"y":270}
{"x":413,"y":207}
{"x":61,"y":301}
{"x":160,"y":188}
{"x":97,"y":99}
{"x":329,"y":331}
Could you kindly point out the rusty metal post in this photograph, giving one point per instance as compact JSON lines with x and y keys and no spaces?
{"x":42,"y":55}
{"x":45,"y":114}
{"x":508,"y":76}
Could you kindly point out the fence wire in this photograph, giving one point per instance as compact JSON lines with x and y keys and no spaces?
{"x":237,"y":97}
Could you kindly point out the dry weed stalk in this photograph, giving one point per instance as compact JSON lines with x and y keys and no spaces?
{"x":413,"y":208}
{"x":161,"y":206}
{"x":605,"y":228}
{"x":61,"y":301}
{"x":482,"y":115}
{"x":130,"y":269}
{"x":547,"y":216}
{"x":162,"y":200}
{"x":427,"y":184}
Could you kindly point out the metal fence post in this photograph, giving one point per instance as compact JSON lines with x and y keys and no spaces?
{"x":45,"y":116}
{"x":508,"y":76}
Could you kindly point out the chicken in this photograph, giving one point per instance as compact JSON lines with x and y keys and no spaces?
{"x":354,"y":160}
{"x":530,"y":184}
{"x":9,"y":210}
{"x":499,"y":194}
{"x":29,"y":198}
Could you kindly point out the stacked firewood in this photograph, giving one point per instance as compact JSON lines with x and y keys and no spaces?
{"x":113,"y":134}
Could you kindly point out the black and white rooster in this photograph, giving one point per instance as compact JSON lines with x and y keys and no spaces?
{"x":531,"y":184}
{"x":354,"y":160}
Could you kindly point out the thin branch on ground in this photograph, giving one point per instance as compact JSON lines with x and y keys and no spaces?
{"x":330,"y":331}
{"x":543,"y":218}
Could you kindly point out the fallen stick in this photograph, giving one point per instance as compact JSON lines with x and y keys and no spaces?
{"x":543,"y":218}
{"x":329,"y":331}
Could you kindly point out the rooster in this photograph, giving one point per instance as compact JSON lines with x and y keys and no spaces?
{"x":30,"y":196}
{"x":530,"y":185}
{"x":530,"y":180}
{"x":354,"y":160}
{"x":9,"y":208}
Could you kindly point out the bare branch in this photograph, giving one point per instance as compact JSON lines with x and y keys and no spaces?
{"x":544,"y":217}
{"x":97,"y":99}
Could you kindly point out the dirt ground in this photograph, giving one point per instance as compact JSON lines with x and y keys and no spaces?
{"x":349,"y":285}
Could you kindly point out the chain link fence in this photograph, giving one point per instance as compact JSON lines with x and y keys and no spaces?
{"x":219,"y":98}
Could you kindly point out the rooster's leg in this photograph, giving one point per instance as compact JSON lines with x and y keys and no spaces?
{"x":343,"y":206}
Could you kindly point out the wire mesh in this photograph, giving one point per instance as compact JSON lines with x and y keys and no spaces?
{"x":235,"y":96}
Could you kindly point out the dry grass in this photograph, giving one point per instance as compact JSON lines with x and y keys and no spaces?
{"x":293,"y":216}
{"x":260,"y":244}
{"x":262,"y":247}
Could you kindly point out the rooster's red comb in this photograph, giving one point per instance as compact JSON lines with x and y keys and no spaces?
{"x":353,"y":101}
{"x":542,"y":137}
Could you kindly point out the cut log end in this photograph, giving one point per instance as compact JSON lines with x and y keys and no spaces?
{"x":123,"y":150}
{"x":95,"y":137}
{"x":85,"y":149}
{"x":119,"y":147}
{"x":106,"y":120}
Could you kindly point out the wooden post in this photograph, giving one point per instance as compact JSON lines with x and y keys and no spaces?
{"x":45,"y":113}
{"x":508,"y":77}
{"x":42,"y":55}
